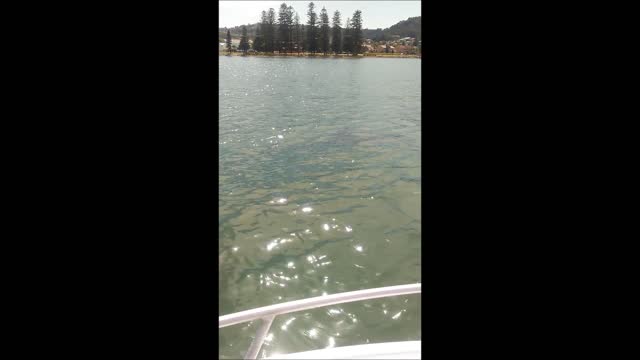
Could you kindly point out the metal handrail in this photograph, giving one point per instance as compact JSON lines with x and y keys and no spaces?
{"x":268,"y":313}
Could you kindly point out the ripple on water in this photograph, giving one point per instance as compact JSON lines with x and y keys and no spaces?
{"x":318,"y":195}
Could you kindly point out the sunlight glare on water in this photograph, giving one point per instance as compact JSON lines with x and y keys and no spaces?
{"x":319,"y":183}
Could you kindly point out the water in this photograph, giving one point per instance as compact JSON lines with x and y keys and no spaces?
{"x":319,"y":178}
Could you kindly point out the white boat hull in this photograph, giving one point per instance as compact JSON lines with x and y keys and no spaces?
{"x":390,"y":350}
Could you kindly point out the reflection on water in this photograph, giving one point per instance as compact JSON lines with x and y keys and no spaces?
{"x":319,"y":178}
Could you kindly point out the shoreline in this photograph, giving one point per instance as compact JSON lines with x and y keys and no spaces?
{"x":368,"y":55}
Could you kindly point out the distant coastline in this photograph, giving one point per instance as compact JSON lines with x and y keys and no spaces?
{"x":365,"y":55}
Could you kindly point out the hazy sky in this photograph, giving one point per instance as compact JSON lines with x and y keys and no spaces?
{"x":375,"y":14}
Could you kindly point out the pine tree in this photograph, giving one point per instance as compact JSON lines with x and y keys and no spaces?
{"x":287,"y":34}
{"x":303,"y":38}
{"x":336,"y":33}
{"x":296,"y":25}
{"x":259,"y":39}
{"x":290,"y":43}
{"x":283,"y":28}
{"x":264,"y":33}
{"x":311,"y":29}
{"x":324,"y":31}
{"x":229,"y":41}
{"x":347,"y":42}
{"x":244,"y":41}
{"x":356,"y":32}
{"x":271,"y":31}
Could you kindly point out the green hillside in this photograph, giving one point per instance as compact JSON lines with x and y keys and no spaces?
{"x":236,"y":32}
{"x":411,"y":27}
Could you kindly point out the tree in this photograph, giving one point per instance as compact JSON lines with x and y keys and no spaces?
{"x":298,"y":39}
{"x":290,"y":19}
{"x":356,"y":32}
{"x":303,"y":38}
{"x":284,"y":23}
{"x":311,"y":29}
{"x":336,"y":33}
{"x":324,"y":31}
{"x":244,"y":42}
{"x":270,"y":36}
{"x":229,"y":41}
{"x":263,"y":30}
{"x":347,"y":43}
{"x":258,"y":41}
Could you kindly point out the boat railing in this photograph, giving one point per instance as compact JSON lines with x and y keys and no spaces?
{"x":268,"y":313}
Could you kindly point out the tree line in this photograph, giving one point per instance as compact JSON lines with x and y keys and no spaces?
{"x":286,"y":34}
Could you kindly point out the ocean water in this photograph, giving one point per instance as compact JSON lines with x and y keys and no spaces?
{"x":319,"y":181}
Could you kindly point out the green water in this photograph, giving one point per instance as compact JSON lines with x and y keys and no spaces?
{"x":319,"y":178}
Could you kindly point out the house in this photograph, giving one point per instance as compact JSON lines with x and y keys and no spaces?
{"x":403,"y":49}
{"x":382,"y":48}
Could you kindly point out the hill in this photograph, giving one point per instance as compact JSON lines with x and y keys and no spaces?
{"x":236,"y":32}
{"x":411,"y":27}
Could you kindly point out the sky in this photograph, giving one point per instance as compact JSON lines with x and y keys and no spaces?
{"x":375,"y":14}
